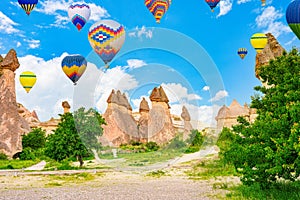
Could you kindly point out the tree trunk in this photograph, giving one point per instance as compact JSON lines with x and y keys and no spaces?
{"x":80,"y":160}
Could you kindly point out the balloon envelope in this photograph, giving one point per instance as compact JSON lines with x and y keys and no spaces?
{"x":259,"y":41}
{"x":212,"y":3}
{"x":293,"y":17}
{"x":242,"y":52}
{"x":27,"y":80}
{"x":158,"y":8}
{"x":106,"y":38}
{"x":28,"y":5}
{"x":79,"y":14}
{"x":74,"y":66}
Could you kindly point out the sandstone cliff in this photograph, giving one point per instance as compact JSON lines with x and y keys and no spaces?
{"x":121,"y":126}
{"x":12,"y":125}
{"x":227,"y":116}
{"x":272,"y":50}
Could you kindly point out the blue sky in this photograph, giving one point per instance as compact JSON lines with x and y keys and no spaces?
{"x":192,"y":52}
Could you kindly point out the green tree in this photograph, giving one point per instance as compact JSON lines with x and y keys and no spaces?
{"x":89,"y":126}
{"x":65,"y":142}
{"x":269,"y":148}
{"x":35,"y":139}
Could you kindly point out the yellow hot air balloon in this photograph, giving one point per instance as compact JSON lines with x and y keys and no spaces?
{"x":259,"y":41}
{"x":27,"y":80}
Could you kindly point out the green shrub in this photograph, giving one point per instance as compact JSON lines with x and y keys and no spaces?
{"x":27,"y":154}
{"x":35,"y":139}
{"x":3,"y":156}
{"x":176,"y":143}
{"x":192,"y":149}
{"x":195,"y":138}
{"x":152,"y":146}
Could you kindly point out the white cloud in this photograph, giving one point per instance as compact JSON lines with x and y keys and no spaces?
{"x":206,"y":88}
{"x":177,"y":93}
{"x":135,"y":63}
{"x":140,"y":32}
{"x":19,"y":44}
{"x":269,"y":20}
{"x":33,"y":44}
{"x":52,"y":85}
{"x":243,"y":1}
{"x":7,"y":25}
{"x":114,"y":78}
{"x":225,"y":7}
{"x":204,"y":114}
{"x":97,"y":12}
{"x":219,"y":95}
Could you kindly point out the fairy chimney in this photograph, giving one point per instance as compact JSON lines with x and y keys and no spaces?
{"x":66,"y":106}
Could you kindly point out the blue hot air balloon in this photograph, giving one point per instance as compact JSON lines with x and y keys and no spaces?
{"x":28,"y":5}
{"x":293,"y":17}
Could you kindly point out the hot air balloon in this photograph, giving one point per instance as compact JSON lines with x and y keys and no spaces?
{"x":79,"y":14}
{"x":242,"y":52}
{"x":293,"y":17}
{"x":158,"y":8}
{"x":263,"y":2}
{"x":106,"y":38}
{"x":259,"y":41}
{"x":74,"y":66}
{"x":212,"y":4}
{"x":28,"y":5}
{"x":27,"y":80}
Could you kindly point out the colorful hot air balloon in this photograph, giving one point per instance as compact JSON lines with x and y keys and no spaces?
{"x":106,"y":38}
{"x":27,"y":80}
{"x":242,"y":52}
{"x":74,"y":66}
{"x":263,"y":2}
{"x":212,"y":4}
{"x":293,"y":17}
{"x":259,"y":41}
{"x":28,"y":5}
{"x":158,"y":8}
{"x":79,"y":14}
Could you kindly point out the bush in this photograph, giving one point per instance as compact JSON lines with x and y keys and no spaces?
{"x":192,"y":149}
{"x":195,"y":138}
{"x":176,"y":143}
{"x":35,"y":139}
{"x":152,"y":146}
{"x":3,"y":156}
{"x":27,"y":154}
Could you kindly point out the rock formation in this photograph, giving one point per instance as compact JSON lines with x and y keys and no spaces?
{"x":31,"y":117}
{"x":227,"y":116}
{"x":272,"y":50}
{"x":185,"y":115}
{"x":12,"y":125}
{"x":160,"y":126}
{"x":66,"y":106}
{"x":143,"y":120}
{"x":153,"y":124}
{"x":121,"y":126}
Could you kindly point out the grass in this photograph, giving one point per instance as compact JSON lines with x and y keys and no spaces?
{"x":278,"y":191}
{"x":156,"y":174}
{"x":17,"y":164}
{"x":208,"y":169}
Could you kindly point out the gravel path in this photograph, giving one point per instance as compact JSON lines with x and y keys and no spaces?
{"x":114,"y":185}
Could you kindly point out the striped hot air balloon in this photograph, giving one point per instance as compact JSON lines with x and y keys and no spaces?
{"x":79,"y":14}
{"x":212,"y":4}
{"x":158,"y":8}
{"x":293,"y":17}
{"x":27,"y":80}
{"x":242,"y":52}
{"x":106,"y":38}
{"x":28,"y":5}
{"x":259,"y":41}
{"x":74,"y":66}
